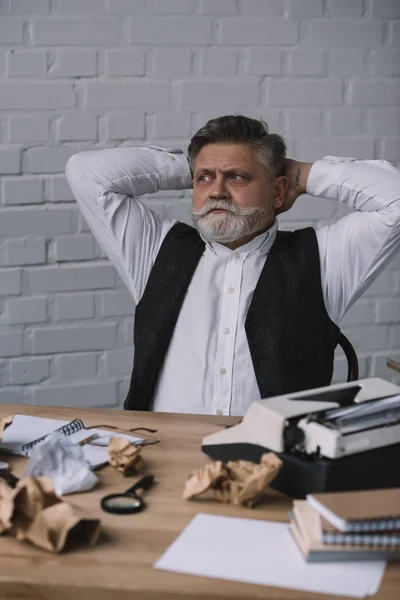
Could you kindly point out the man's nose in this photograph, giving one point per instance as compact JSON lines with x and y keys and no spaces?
{"x":219,"y":191}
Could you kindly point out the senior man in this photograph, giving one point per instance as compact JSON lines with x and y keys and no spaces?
{"x":233,"y":310}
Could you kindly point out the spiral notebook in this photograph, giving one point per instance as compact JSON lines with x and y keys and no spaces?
{"x":361,"y":511}
{"x":307,"y":528}
{"x":25,"y":432}
{"x":307,"y":517}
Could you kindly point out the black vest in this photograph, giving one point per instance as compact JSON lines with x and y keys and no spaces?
{"x":290,"y":335}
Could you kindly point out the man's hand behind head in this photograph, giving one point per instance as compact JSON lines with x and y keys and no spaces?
{"x":296,"y":173}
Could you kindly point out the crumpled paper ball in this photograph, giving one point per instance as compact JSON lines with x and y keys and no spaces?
{"x":240,"y":483}
{"x":64,"y":461}
{"x":33,"y":512}
{"x":123,"y":456}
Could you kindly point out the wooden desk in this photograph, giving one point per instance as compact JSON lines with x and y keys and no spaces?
{"x":120,"y":565}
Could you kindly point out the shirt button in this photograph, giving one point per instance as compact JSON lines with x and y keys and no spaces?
{"x":219,"y":412}
{"x":227,"y":330}
{"x":231,"y":290}
{"x":223,"y":371}
{"x":237,"y":254}
{"x":172,"y":158}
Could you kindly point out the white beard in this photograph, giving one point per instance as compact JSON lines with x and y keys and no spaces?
{"x":232,"y":225}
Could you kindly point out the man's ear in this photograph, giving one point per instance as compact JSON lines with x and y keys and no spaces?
{"x":281,"y":185}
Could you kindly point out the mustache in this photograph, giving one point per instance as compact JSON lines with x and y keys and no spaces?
{"x":230,"y":207}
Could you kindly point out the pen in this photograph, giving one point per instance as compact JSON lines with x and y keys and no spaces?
{"x":392,"y":364}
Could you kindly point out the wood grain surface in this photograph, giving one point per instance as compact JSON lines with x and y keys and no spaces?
{"x":120,"y":565}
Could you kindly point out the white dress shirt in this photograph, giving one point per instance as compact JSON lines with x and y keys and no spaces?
{"x":208,"y":368}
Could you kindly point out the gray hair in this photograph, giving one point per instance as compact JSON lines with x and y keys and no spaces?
{"x":237,"y":129}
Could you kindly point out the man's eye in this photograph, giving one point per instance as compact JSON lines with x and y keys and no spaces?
{"x":237,"y":177}
{"x":203,"y":178}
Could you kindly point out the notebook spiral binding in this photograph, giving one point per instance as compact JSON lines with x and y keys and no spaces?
{"x":376,"y":524}
{"x":68,"y":429}
{"x":380,"y":540}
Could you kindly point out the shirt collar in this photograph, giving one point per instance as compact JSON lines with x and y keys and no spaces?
{"x":261,"y":243}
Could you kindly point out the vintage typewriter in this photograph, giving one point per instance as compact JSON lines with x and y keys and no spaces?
{"x":340,"y":437}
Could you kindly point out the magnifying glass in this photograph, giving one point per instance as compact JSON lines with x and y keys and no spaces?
{"x":128,"y":502}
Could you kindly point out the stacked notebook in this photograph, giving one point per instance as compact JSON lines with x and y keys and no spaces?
{"x":340,"y":526}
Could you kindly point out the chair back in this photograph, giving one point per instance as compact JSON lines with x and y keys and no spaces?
{"x":350,"y":353}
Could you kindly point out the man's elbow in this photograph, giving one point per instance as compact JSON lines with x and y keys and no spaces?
{"x":72,"y":168}
{"x":75,"y":166}
{"x":81,"y":169}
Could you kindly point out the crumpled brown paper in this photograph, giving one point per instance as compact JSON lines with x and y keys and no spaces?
{"x":5,"y":422}
{"x":123,"y":456}
{"x":6,"y":506}
{"x":209,"y":476}
{"x":238,"y":482}
{"x":34,"y":513}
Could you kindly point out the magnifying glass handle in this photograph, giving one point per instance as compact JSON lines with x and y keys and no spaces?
{"x":11,"y":479}
{"x":142,"y":484}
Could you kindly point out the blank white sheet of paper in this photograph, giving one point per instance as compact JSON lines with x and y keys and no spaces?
{"x":263,"y":552}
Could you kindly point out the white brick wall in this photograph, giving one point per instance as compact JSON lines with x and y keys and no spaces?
{"x":78,"y":74}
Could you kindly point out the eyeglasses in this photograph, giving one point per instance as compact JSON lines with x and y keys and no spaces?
{"x":128,"y":502}
{"x":102,"y":440}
